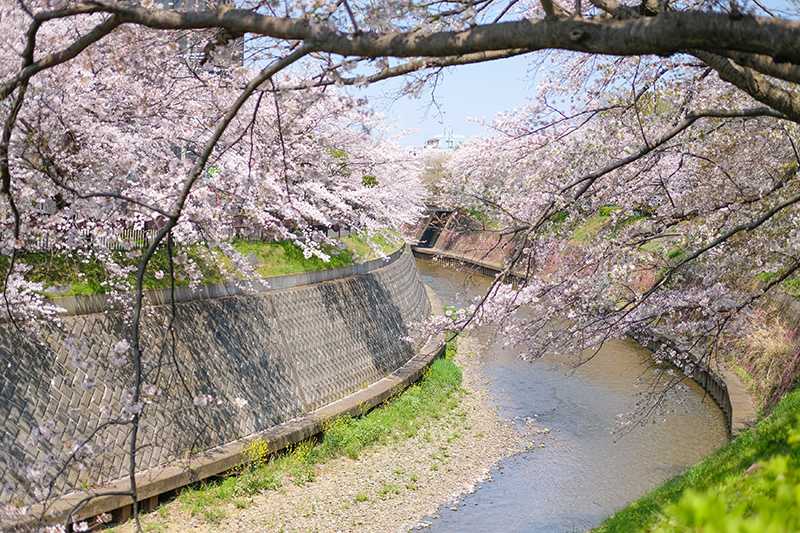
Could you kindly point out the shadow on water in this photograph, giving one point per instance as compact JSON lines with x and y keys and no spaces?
{"x":585,"y":471}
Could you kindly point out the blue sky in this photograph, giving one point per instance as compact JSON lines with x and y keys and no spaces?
{"x":476,"y":91}
{"x":463,"y":93}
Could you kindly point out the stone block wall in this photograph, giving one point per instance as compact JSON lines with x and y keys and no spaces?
{"x":254,"y":360}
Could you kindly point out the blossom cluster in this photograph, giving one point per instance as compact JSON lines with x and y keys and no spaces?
{"x":644,"y":195}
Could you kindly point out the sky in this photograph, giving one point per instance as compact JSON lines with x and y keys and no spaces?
{"x":468,"y":94}
{"x":471,"y":92}
{"x":463,"y":94}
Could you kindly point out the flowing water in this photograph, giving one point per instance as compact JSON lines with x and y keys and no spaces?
{"x":586,"y":470}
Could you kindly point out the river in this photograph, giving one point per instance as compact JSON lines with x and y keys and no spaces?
{"x":586,"y":470}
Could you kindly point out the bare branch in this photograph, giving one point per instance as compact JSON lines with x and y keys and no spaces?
{"x":764,"y":64}
{"x":664,"y":34}
{"x":754,"y":84}
{"x":409,"y":67}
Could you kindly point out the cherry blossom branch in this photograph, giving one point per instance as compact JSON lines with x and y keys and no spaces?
{"x":7,"y":190}
{"x":51,"y":170}
{"x":586,"y":181}
{"x":505,"y":10}
{"x":279,"y":127}
{"x":351,"y":16}
{"x":175,"y":213}
{"x":62,"y":56}
{"x":664,"y":34}
{"x":746,"y":227}
{"x":752,"y":225}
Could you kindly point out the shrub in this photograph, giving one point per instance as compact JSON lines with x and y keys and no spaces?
{"x":256,"y":452}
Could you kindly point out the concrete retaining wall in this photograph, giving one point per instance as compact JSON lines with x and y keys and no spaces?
{"x":260,"y":359}
{"x":712,"y":382}
{"x":480,"y":246}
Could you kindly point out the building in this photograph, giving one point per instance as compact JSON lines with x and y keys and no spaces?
{"x":447,"y":141}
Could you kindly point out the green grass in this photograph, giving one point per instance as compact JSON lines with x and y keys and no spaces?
{"x":488,"y":220}
{"x":434,"y":396}
{"x":555,"y":223}
{"x":676,"y":253}
{"x":74,"y":275}
{"x":387,"y":242}
{"x":388,"y":490}
{"x":84,"y":275}
{"x":790,"y":286}
{"x":285,"y":257}
{"x":718,"y":495}
{"x":593,"y":225}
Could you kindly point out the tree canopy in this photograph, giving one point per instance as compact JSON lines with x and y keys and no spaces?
{"x":669,"y":126}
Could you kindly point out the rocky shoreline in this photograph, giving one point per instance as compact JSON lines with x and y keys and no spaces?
{"x":390,"y":487}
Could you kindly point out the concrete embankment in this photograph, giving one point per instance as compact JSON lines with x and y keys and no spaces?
{"x":275,"y":363}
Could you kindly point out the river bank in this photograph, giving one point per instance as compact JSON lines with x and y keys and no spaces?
{"x":584,"y":472}
{"x":389,"y":487}
{"x":750,"y":484}
{"x":590,"y":466}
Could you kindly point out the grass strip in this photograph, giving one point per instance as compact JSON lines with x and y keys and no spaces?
{"x":73,"y":274}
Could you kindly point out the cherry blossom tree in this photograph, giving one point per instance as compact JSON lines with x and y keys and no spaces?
{"x":136,"y":132}
{"x":675,"y":120}
{"x":662,"y":206}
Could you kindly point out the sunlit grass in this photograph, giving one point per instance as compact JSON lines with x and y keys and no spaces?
{"x":282,"y":258}
{"x":68,"y":274}
{"x":363,"y":247}
{"x":593,"y":225}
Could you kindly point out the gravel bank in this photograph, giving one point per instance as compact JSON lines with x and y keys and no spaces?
{"x":390,"y":487}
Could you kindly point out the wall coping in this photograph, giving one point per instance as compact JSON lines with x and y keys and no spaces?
{"x":723,"y":385}
{"x":489,"y":268}
{"x":99,"y":303}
